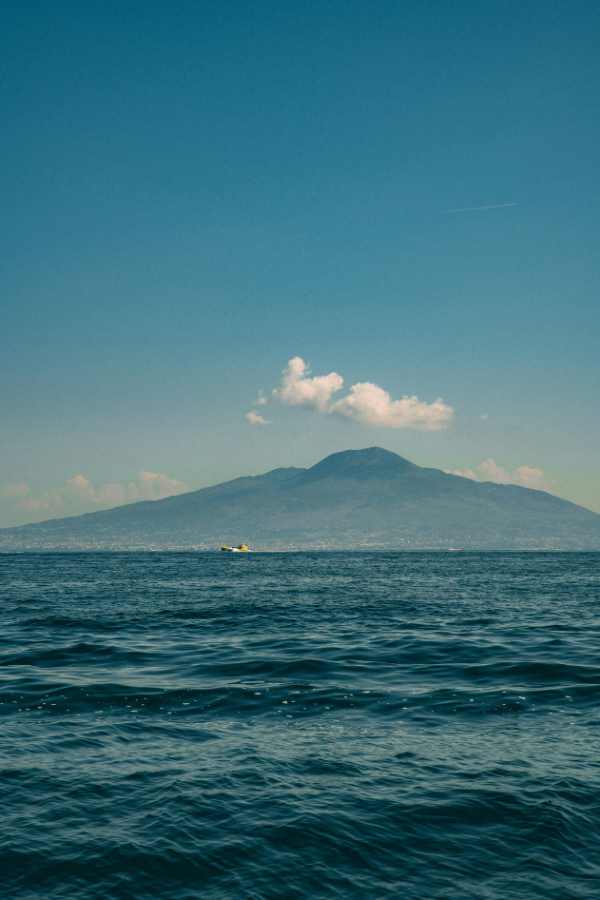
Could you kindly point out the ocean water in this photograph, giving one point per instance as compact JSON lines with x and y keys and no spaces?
{"x":304,"y":725}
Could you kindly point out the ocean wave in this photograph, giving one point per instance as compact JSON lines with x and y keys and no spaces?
{"x":382,"y":726}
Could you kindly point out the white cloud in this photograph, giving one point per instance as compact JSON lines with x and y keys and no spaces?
{"x":530,"y":476}
{"x":81,"y":487}
{"x":463,"y":473}
{"x":297,"y":388}
{"x":156,"y":486}
{"x":261,"y":400}
{"x":370,"y":404}
{"x":365,"y":402}
{"x":79,"y":494}
{"x":254,"y":418}
{"x":147,"y":486}
{"x":489,"y":470}
{"x":48,"y":502}
{"x":114,"y":494}
{"x":18,"y":489}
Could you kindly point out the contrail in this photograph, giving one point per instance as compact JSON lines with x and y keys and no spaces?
{"x":481,"y":208}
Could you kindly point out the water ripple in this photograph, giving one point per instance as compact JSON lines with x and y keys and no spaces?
{"x":300,"y":725}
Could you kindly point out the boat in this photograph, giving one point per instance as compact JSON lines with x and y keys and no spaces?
{"x":241,"y":548}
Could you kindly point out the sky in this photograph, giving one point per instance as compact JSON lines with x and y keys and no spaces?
{"x":237,"y":236}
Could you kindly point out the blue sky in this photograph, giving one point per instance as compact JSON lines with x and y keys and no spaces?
{"x":405,"y":194}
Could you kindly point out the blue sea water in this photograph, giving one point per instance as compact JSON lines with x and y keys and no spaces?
{"x":304,"y":725}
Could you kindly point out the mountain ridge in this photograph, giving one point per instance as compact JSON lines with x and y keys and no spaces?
{"x":350,"y":499}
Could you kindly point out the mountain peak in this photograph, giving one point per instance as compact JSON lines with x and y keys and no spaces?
{"x":354,"y":499}
{"x":371,"y":462}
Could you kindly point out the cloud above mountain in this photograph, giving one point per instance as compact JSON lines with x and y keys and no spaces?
{"x":370,"y":404}
{"x":254,"y":418}
{"x":299,"y":388}
{"x":17,"y":489}
{"x":147,"y":486}
{"x":79,"y":494}
{"x":365,"y":402}
{"x":490,"y":470}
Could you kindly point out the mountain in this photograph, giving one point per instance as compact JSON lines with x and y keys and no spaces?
{"x":353,"y":499}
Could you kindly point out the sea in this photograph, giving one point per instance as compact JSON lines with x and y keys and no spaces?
{"x":205,"y":726}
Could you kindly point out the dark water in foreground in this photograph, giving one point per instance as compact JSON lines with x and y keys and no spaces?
{"x":371,"y":725}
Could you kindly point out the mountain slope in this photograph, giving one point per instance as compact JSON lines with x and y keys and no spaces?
{"x":356,"y":498}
